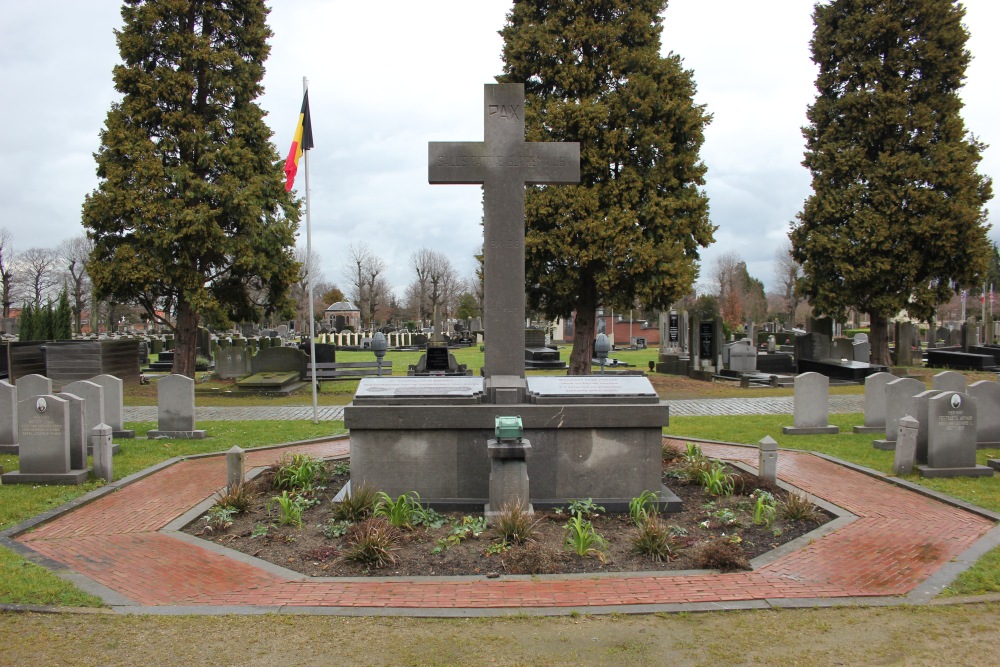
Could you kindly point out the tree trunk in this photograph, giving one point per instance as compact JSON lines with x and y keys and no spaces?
{"x":879,"y":339}
{"x":186,"y":345}
{"x":584,"y":326}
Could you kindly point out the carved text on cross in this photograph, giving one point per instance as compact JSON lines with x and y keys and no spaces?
{"x":503,"y":164}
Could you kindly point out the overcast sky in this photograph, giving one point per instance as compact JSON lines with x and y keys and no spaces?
{"x":385,"y":79}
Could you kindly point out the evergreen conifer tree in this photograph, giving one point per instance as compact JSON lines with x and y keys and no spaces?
{"x":191,"y":215}
{"x":631,"y":230}
{"x":26,"y":326}
{"x":896,"y":218}
{"x":63,"y":319}
{"x":43,"y":322}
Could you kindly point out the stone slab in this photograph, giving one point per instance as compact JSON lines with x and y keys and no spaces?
{"x":810,"y":430}
{"x":71,"y":477}
{"x":972,"y":471}
{"x":419,"y":387}
{"x":180,"y":435}
{"x":591,"y":389}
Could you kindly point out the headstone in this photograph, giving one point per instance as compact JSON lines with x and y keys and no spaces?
{"x":93,"y":396}
{"x":503,"y":163}
{"x":8,"y":418}
{"x":906,"y":446}
{"x":918,"y":410}
{"x":875,"y":403}
{"x":32,"y":385}
{"x":43,"y":436}
{"x":951,"y":437}
{"x":987,"y":395}
{"x":741,"y":356}
{"x":767,"y":459}
{"x":812,"y":346}
{"x":948,"y":381}
{"x":175,"y":409}
{"x":114,"y":404}
{"x":232,"y":362}
{"x":904,"y":343}
{"x":812,"y":406}
{"x":772,"y":344}
{"x":897,"y":405}
{"x":862,"y":348}
{"x":77,"y":430}
{"x":100,"y":444}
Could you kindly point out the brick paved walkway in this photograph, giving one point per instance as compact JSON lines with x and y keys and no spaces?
{"x":777,"y":405}
{"x":898,"y":540}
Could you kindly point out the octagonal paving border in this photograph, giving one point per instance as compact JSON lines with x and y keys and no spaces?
{"x":901,"y":547}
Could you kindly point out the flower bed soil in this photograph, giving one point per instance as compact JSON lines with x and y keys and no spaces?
{"x":307,"y":550}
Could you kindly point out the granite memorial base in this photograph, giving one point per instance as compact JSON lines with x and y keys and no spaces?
{"x":431,"y":436}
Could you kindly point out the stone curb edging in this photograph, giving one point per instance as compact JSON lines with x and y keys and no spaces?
{"x":921,"y":595}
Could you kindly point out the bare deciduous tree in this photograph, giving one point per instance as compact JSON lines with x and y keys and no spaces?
{"x":366,"y":284}
{"x":8,"y":276}
{"x":39,"y":272}
{"x":75,"y":253}
{"x":787,"y":273}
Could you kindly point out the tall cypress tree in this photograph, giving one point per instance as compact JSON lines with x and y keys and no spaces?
{"x":43,"y":322}
{"x":631,"y":230}
{"x":191,"y":215}
{"x":26,"y":325}
{"x":896,"y":218}
{"x":62,"y":323}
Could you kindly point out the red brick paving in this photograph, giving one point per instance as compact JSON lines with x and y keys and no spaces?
{"x":899,"y":539}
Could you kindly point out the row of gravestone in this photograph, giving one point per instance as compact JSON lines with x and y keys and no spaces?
{"x":52,"y":433}
{"x":950,"y":421}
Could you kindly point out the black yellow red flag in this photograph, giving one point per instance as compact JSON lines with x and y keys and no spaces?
{"x":301,"y":142}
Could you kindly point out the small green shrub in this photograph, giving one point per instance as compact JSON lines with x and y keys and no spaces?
{"x":469,"y":526}
{"x":765,"y":508}
{"x":299,"y":473}
{"x":717,"y":481}
{"x":582,"y":539}
{"x":219,"y":517}
{"x":642,"y":507}
{"x":238,"y":496}
{"x":336,"y":528}
{"x":357,"y":505}
{"x":341,"y":468}
{"x":585,"y":507}
{"x":404,"y":512}
{"x":372,"y":543}
{"x":654,"y":539}
{"x":799,"y":508}
{"x":514,"y":525}
{"x":290,"y":508}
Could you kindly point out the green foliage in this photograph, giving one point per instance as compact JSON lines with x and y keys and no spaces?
{"x":341,"y":468}
{"x":357,"y":505}
{"x":190,"y":213}
{"x":220,"y":517}
{"x":513,"y":524}
{"x":336,"y":528}
{"x":643,"y":507}
{"x":237,"y":496}
{"x":43,"y":322}
{"x":372,"y":542}
{"x":585,"y":507}
{"x":403,"y":512}
{"x":631,"y":230}
{"x":654,"y":539}
{"x":583,"y":539}
{"x":299,"y":473}
{"x":62,"y":321}
{"x":765,"y":508}
{"x":26,"y":325}
{"x":469,"y":526}
{"x":896,"y":219}
{"x":717,"y":481}
{"x":290,"y":508}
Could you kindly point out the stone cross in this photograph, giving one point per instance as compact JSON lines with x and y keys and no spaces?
{"x":504,"y":163}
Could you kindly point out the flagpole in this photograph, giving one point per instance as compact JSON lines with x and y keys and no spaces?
{"x":310,"y":275}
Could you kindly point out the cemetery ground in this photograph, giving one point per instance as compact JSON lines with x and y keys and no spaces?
{"x":898,"y":635}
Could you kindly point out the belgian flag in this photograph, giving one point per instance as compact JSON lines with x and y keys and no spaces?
{"x":302,"y":142}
